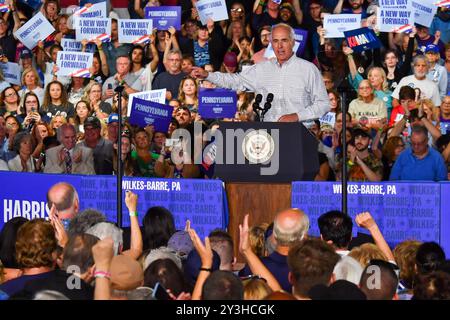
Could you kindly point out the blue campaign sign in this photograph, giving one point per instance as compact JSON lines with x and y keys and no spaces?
{"x":445,"y":217}
{"x":164,"y":17}
{"x":301,"y":36}
{"x":145,"y":113}
{"x":217,"y":103}
{"x":402,"y":210}
{"x":362,"y":39}
{"x":200,"y":201}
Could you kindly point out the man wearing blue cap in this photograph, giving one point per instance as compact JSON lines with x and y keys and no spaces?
{"x":436,"y":72}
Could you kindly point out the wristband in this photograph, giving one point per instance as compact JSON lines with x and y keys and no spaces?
{"x":205,"y":269}
{"x":102,"y":274}
{"x":133,"y":214}
{"x":350,"y":163}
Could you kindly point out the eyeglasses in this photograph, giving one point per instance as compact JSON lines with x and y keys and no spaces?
{"x":236,"y":10}
{"x":10,"y":94}
{"x":401,"y":145}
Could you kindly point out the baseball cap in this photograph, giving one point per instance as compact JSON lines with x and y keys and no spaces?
{"x":126,"y":273}
{"x":230,"y":60}
{"x":92,"y":121}
{"x":113,"y":117}
{"x":432,"y":48}
{"x":25,"y":54}
{"x":360,"y":132}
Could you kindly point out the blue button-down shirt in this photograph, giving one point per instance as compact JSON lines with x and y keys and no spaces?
{"x":409,"y":167}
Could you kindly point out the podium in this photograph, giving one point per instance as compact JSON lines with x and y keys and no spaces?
{"x":258,"y":162}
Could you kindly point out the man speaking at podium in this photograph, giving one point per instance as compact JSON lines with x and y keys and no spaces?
{"x":298,"y":90}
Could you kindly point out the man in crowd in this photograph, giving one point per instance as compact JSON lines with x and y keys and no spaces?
{"x":290,"y":227}
{"x":123,"y":77}
{"x":69,"y":157}
{"x":264,"y":34}
{"x":428,"y":89}
{"x":294,"y":98}
{"x":420,"y":161}
{"x":65,"y":198}
{"x":103,"y":149}
{"x":171,"y":78}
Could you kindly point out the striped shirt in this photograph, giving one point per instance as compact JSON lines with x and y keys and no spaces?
{"x":297,"y":87}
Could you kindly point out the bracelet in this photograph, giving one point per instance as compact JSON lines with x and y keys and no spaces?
{"x":350,"y":163}
{"x":102,"y":274}
{"x":205,"y":269}
{"x":133,"y":214}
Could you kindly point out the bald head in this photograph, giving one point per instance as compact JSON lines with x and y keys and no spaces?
{"x":65,"y":198}
{"x":290,"y":226}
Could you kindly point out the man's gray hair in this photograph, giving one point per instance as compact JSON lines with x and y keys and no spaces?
{"x":288,"y":237}
{"x":418,"y":129}
{"x":286,"y":26}
{"x":162,"y":253}
{"x":64,"y":126}
{"x":84,"y":220}
{"x":103,"y":230}
{"x":175,"y":51}
{"x":420,"y":57}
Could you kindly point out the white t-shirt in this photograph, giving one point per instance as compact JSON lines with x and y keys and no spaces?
{"x":429,"y":89}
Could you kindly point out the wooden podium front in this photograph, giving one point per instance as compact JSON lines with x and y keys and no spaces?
{"x":261,"y":200}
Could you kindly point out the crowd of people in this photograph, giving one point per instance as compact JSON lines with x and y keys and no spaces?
{"x":397,"y":110}
{"x":82,"y":256}
{"x":395,"y":97}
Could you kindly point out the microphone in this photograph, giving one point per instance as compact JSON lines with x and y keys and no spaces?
{"x":267,"y":105}
{"x":256,"y":106}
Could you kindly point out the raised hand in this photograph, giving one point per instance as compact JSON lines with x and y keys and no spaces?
{"x":365,"y":220}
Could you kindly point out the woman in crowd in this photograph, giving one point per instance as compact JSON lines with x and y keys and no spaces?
{"x":335,"y":101}
{"x":100,"y":68}
{"x":62,"y":30}
{"x":56,"y":101}
{"x":57,"y":121}
{"x":158,"y":226}
{"x":31,"y":82}
{"x":40,"y":131}
{"x":8,"y":237}
{"x":142,"y":154}
{"x":93,"y":95}
{"x":36,"y":248}
{"x":76,"y":89}
{"x":23,"y":146}
{"x":367,"y":110}
{"x":115,"y":106}
{"x":82,"y":112}
{"x":9,"y":102}
{"x":377,"y":79}
{"x":188,"y":93}
{"x":129,"y":165}
{"x":391,"y":150}
{"x":245,"y":47}
{"x":30,"y":111}
{"x":236,"y":13}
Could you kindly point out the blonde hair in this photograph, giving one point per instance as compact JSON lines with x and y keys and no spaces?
{"x":384,"y":85}
{"x":257,"y":239}
{"x":256,"y":289}
{"x":37,"y":81}
{"x":366,"y":252}
{"x":405,"y":256}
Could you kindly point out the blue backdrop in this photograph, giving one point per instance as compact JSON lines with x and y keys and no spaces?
{"x":201,"y":201}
